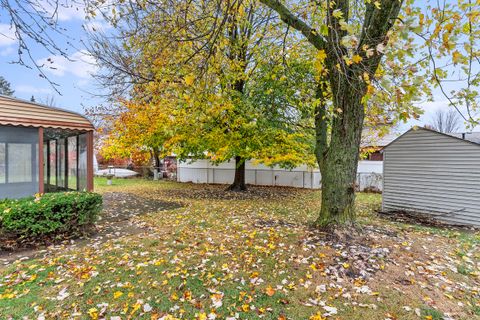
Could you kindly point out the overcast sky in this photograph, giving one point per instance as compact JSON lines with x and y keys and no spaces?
{"x":73,"y":76}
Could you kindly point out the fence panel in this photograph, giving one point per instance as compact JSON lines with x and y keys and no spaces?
{"x":369,"y":177}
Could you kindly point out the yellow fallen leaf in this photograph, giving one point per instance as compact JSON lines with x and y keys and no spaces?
{"x":136,"y":306}
{"x":317,"y":316}
{"x":117,"y":294}
{"x":357,"y":59}
{"x":93,"y":313}
{"x":189,"y":79}
{"x":7,"y":296}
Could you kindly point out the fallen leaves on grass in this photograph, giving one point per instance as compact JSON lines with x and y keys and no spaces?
{"x":248,"y":255}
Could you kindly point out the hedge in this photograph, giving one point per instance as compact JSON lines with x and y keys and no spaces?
{"x":50,"y":214}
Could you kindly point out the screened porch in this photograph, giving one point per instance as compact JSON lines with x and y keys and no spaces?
{"x":43,"y":149}
{"x":65,"y":160}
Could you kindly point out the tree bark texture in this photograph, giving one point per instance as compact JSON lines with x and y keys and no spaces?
{"x":239,"y":180}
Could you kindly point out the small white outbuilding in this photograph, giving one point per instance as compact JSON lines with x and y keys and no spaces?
{"x":429,"y":172}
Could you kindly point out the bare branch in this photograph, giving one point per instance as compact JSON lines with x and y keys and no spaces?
{"x":312,"y":35}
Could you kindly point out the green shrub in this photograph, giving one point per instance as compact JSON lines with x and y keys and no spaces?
{"x":50,"y":214}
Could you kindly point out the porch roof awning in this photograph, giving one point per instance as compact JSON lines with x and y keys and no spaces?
{"x":19,"y":112}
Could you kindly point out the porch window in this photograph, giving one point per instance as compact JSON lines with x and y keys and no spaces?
{"x":20,"y":162}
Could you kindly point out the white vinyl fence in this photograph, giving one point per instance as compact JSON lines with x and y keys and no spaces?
{"x":369,"y":175}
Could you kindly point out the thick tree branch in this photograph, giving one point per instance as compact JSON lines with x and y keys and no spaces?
{"x":290,"y":19}
{"x":321,"y":124}
{"x":377,"y":23}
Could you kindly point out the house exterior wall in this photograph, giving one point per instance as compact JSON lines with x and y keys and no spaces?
{"x":375,"y":156}
{"x":18,"y":162}
{"x":432,"y":173}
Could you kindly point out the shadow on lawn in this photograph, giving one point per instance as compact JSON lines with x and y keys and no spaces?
{"x":219,"y":192}
{"x":120,"y":206}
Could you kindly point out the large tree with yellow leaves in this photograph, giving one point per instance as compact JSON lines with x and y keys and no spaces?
{"x":366,"y":50}
{"x":233,"y":97}
{"x":372,"y":58}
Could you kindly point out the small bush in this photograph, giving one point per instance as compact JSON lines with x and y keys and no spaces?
{"x":50,"y":214}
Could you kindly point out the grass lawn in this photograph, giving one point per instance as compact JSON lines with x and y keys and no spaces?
{"x":221,"y":255}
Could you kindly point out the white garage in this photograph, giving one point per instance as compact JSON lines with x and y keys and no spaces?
{"x":432,"y":173}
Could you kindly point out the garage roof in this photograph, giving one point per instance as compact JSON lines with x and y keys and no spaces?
{"x":19,"y":112}
{"x":469,"y":138}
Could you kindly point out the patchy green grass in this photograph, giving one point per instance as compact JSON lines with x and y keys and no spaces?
{"x":433,"y":314}
{"x":101,"y":183}
{"x":248,"y":256}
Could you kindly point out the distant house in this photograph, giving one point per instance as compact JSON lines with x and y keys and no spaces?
{"x":470,"y":136}
{"x":433,"y":173}
{"x":43,"y":149}
{"x":372,"y":143}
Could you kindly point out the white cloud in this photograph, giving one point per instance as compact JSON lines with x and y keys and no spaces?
{"x":430,"y":108}
{"x":80,"y":64}
{"x":7,"y":35}
{"x":31,"y":89}
{"x":433,"y":106}
{"x":71,"y":13}
{"x":82,"y":82}
{"x":96,"y":25}
{"x":63,"y":10}
{"x":7,"y":51}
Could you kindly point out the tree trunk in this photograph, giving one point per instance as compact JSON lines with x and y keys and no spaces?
{"x":239,"y":180}
{"x":338,"y":163}
{"x":156,"y":168}
{"x":348,"y":83}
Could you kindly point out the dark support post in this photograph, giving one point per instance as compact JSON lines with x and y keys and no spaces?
{"x":77,"y":187}
{"x":66,"y":162}
{"x":48,"y":163}
{"x":90,"y":161}
{"x":58,"y":173}
{"x":41,"y":160}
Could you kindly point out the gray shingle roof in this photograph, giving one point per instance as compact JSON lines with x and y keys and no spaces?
{"x":470,"y":136}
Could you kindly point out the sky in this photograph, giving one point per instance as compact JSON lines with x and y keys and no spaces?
{"x":77,"y":88}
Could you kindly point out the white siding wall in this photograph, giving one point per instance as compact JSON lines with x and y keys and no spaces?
{"x":432,"y":173}
{"x":202,"y":171}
